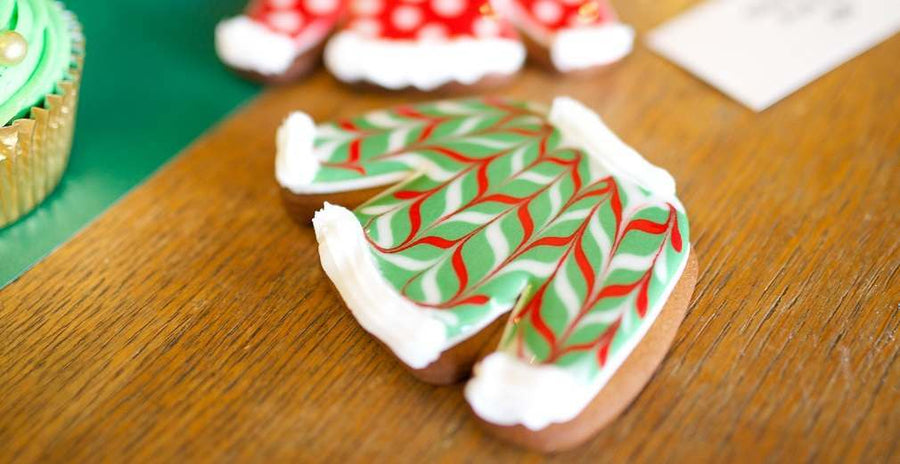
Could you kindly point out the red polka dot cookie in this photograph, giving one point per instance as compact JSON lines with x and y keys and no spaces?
{"x":570,"y":35}
{"x":277,"y":40}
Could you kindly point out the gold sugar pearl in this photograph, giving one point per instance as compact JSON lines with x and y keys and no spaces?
{"x":486,"y":10}
{"x":13,"y":48}
{"x":589,"y":11}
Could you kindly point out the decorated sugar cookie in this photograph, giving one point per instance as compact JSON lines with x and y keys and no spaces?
{"x":533,"y":240}
{"x":571,"y":35}
{"x":419,"y":44}
{"x":277,"y":40}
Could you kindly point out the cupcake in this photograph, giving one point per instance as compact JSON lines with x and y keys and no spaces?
{"x":41,"y":56}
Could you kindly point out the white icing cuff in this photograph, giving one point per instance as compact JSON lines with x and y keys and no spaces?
{"x":406,"y":328}
{"x":507,"y":391}
{"x":582,"y":128}
{"x":584,"y":47}
{"x":295,"y":162}
{"x":248,"y":45}
{"x":425,"y":65}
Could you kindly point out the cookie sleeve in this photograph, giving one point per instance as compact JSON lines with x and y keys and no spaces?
{"x":381,"y":148}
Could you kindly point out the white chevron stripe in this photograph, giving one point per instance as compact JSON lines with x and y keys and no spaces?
{"x":453,"y":197}
{"x":387,"y":120}
{"x":383,"y":226}
{"x":487,"y":142}
{"x":660,"y":269}
{"x":471,"y":217}
{"x":573,"y":215}
{"x":467,"y":125}
{"x":526,"y":121}
{"x":405,"y":262}
{"x":599,"y":235}
{"x":555,"y":198}
{"x":631,"y":262}
{"x":536,"y":268}
{"x":606,"y":316}
{"x":427,"y":167}
{"x":398,"y":140}
{"x":452,"y":107}
{"x":332,"y":132}
{"x":566,"y":292}
{"x":497,"y":242}
{"x":376,"y":210}
{"x":535,"y":178}
{"x":629,"y":315}
{"x":518,"y":159}
{"x":327,"y":150}
{"x":430,"y":287}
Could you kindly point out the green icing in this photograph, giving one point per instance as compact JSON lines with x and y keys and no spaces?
{"x":503,"y":216}
{"x":46,"y":29}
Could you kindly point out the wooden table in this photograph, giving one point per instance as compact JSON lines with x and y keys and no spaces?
{"x":192,"y":321}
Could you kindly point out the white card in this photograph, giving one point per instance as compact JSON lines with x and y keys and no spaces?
{"x":760,"y":51}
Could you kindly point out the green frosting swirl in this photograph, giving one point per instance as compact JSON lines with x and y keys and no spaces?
{"x":43,"y":24}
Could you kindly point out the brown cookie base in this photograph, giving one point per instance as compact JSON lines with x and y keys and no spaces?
{"x":304,"y":64}
{"x":622,"y":388}
{"x":302,"y":208}
{"x":538,"y":53}
{"x":455,"y":364}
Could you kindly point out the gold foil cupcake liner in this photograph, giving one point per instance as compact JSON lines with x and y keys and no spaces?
{"x":34,"y":151}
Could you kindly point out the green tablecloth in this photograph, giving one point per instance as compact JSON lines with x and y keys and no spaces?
{"x":152,"y":84}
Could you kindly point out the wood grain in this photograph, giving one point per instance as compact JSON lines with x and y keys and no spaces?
{"x":193,"y":322}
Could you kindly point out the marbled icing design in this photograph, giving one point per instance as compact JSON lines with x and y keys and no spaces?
{"x":493,"y":213}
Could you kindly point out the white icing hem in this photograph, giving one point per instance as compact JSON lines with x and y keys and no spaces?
{"x":425,"y":65}
{"x":245,"y":44}
{"x":508,"y":391}
{"x":406,"y":328}
{"x":583,"y":129}
{"x":585,"y":47}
